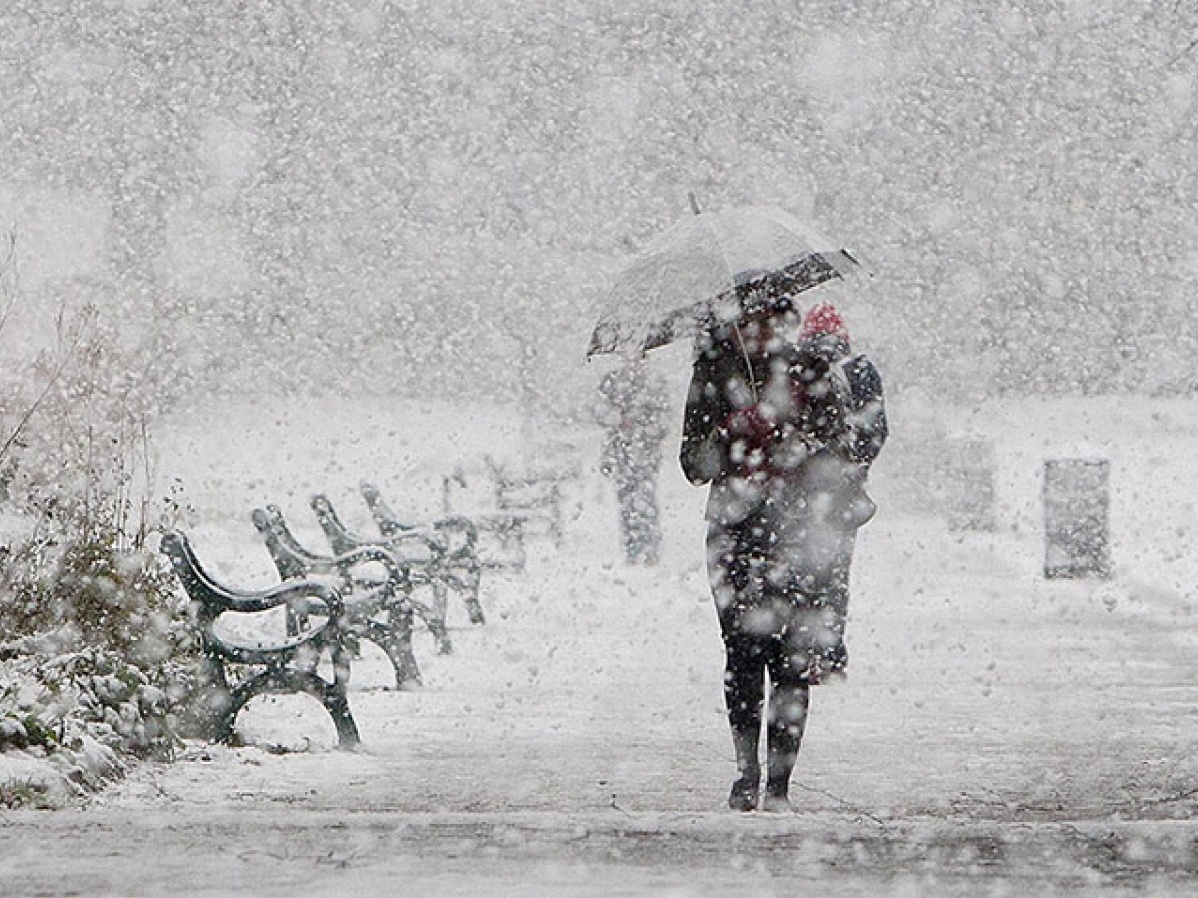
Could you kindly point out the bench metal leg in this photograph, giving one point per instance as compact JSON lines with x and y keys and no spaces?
{"x":468,"y":583}
{"x":433,"y":613}
{"x":281,"y":680}
{"x":396,"y":643}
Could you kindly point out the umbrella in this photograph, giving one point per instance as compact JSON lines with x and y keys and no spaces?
{"x":712,"y":268}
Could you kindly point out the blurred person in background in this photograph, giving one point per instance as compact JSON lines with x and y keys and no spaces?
{"x":633,"y":408}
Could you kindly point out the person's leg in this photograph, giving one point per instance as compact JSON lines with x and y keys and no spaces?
{"x":626,"y":499}
{"x":786,"y":720}
{"x":809,"y":649}
{"x":731,"y":562}
{"x":648,"y":530}
{"x":744,"y":695}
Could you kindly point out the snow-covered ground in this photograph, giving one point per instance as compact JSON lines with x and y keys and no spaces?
{"x":998,"y":733}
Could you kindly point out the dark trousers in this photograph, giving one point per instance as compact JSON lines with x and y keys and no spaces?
{"x":776,"y":622}
{"x":640,"y":527}
{"x":749,"y":659}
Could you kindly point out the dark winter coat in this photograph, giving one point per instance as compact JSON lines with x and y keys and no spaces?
{"x":786,"y":443}
{"x":632,"y":408}
{"x":724,"y":404}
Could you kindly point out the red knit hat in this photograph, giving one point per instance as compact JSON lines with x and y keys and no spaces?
{"x":823,"y":318}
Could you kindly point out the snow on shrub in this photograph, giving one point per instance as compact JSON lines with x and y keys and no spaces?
{"x":96,"y":654}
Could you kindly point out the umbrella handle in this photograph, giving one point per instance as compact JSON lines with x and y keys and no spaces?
{"x":744,"y":351}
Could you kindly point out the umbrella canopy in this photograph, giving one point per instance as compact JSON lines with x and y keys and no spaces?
{"x":709,"y":269}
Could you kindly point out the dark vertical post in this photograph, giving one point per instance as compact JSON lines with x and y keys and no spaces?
{"x":969,"y":484}
{"x":1076,"y":512}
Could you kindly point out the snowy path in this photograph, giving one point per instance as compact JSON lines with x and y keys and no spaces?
{"x":995,"y":730}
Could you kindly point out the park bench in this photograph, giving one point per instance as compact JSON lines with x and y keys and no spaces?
{"x":534,"y":496}
{"x":238,"y":668}
{"x":414,"y":569}
{"x":459,"y":536}
{"x":420,"y":553}
{"x":512,"y":507}
{"x":441,"y":558}
{"x":379,"y":610}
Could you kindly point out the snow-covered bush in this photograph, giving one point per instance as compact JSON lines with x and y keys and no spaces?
{"x":95,"y":646}
{"x":23,"y":722}
{"x":90,"y":592}
{"x":98,"y":694}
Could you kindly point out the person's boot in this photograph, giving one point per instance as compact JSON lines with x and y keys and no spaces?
{"x":744,"y":794}
{"x":776,"y":799}
{"x":784,"y":733}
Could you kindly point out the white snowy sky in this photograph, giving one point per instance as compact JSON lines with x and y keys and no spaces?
{"x":390,"y":191}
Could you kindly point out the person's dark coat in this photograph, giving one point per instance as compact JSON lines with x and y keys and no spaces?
{"x":633,"y":408}
{"x":785,"y":443}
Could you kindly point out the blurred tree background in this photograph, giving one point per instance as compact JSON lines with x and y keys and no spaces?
{"x":417,"y":197}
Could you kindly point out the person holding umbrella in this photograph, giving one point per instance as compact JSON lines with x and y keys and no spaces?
{"x":783,"y":421}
